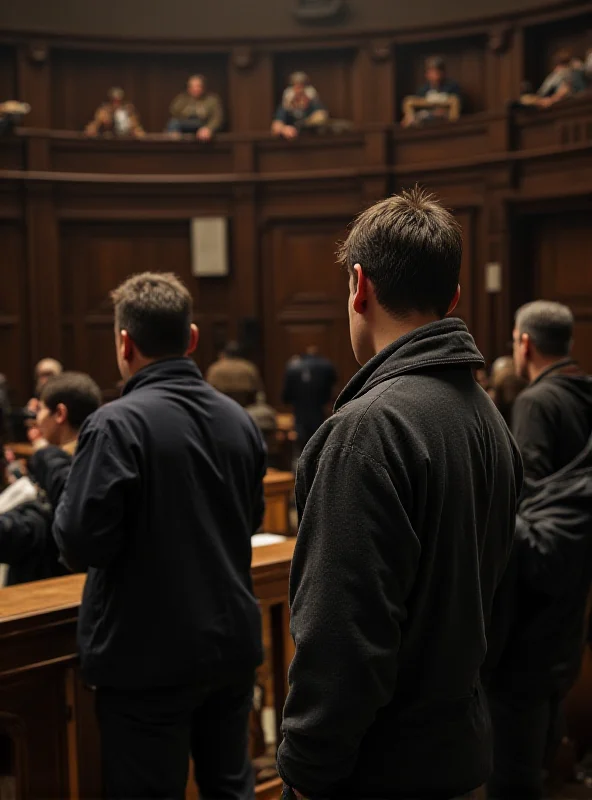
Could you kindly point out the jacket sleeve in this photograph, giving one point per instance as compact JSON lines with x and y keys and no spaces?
{"x":354,"y":565}
{"x":554,"y":546}
{"x":216,"y":115}
{"x":23,"y":533}
{"x":50,"y":467}
{"x":532,"y":426}
{"x":89,"y":521}
{"x":178,"y":106}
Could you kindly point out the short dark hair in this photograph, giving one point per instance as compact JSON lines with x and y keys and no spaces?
{"x":410,"y":247}
{"x":549,"y":325}
{"x":156,"y":309}
{"x":77,"y":391}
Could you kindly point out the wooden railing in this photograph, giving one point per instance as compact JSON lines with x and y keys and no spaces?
{"x":47,"y":724}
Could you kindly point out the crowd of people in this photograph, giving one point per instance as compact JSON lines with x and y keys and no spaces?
{"x":443,"y":559}
{"x":198,"y":112}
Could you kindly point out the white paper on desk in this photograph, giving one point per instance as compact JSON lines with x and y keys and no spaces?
{"x":263,"y":539}
{"x":19,"y":492}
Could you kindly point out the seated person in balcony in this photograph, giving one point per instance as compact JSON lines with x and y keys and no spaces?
{"x":563,"y":81}
{"x":11,"y":113}
{"x":26,"y":542}
{"x":438,"y":90}
{"x":196,"y":111}
{"x":115,"y":117}
{"x":300,"y":108}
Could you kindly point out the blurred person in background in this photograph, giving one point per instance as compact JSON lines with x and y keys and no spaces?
{"x":235,"y":376}
{"x":538,"y":617}
{"x":196,"y":111}
{"x":309,"y":382}
{"x":116,"y":117}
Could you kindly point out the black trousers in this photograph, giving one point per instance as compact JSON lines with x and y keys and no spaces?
{"x":148,"y":735}
{"x":525,"y":737}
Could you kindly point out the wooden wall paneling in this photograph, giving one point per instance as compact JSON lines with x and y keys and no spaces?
{"x":34,"y":82}
{"x":43,"y":272}
{"x":305,"y":297}
{"x":36,"y":698}
{"x":467,"y":221}
{"x":130,"y":157}
{"x":8,"y":81}
{"x":97,"y":257}
{"x":465,"y":61}
{"x":562,"y":257}
{"x":14,"y":328}
{"x":245,"y":299}
{"x":82,"y":78}
{"x":330,"y":71}
{"x":497,"y":312}
{"x":251,"y":89}
{"x":374,"y":83}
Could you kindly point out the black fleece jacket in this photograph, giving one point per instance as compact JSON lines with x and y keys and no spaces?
{"x":407,"y":503}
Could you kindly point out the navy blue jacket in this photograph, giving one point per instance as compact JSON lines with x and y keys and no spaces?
{"x":164,"y":493}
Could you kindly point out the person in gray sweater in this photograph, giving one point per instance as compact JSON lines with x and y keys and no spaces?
{"x":407,"y":501}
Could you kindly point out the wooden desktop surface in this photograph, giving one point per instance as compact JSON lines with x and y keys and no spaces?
{"x":58,"y":594}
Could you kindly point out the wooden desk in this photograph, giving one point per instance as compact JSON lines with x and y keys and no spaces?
{"x":46,"y":711}
{"x":20,"y":449}
{"x":279,"y":490}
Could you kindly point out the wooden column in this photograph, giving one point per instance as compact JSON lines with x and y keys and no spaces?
{"x":251,"y":90}
{"x":374,"y":83}
{"x":34,"y":82}
{"x":497,"y":314}
{"x":43,"y":271}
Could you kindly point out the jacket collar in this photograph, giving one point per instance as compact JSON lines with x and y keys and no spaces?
{"x":442,"y":343}
{"x":567,"y":366}
{"x":161,"y":371}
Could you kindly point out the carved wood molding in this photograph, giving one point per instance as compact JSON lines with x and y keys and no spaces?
{"x":38,"y":52}
{"x":310,"y":11}
{"x":499,"y":39}
{"x":243,"y":58}
{"x":381,"y":50}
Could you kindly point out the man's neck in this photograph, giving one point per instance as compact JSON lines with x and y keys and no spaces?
{"x":67,"y":437}
{"x":389,"y":329}
{"x":535,"y":370}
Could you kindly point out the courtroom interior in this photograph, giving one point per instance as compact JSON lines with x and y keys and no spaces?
{"x":233,"y":144}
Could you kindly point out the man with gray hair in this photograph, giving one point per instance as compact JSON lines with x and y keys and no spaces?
{"x":538,"y":617}
{"x":553,"y":416}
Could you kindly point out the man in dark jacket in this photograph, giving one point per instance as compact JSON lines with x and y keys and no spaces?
{"x":407,"y":502}
{"x":539,"y":614}
{"x":26,"y":543}
{"x":308,"y":386}
{"x":164,"y":494}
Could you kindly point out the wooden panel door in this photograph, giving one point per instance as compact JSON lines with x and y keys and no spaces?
{"x":305,"y":298}
{"x":97,"y":257}
{"x":464,"y":310}
{"x":14,"y":329}
{"x":562,"y":246}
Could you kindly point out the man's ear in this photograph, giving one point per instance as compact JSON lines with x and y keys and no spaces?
{"x":193,"y":340}
{"x":61,"y":413}
{"x":127,"y":346}
{"x":526,"y":342}
{"x":454,"y":301}
{"x":360,"y":302}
